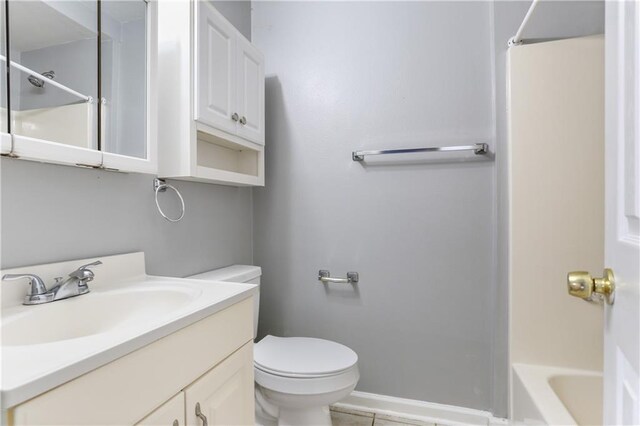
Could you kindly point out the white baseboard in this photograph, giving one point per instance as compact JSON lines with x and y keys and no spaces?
{"x":418,"y":410}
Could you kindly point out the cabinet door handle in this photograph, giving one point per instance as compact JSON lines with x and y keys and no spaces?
{"x":243,"y":120}
{"x":235,"y":116}
{"x":176,"y":422}
{"x":201,"y":416}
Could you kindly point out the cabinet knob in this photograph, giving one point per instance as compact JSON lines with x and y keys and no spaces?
{"x":235,"y":116}
{"x":243,"y":120}
{"x":176,"y":422}
{"x":201,"y":416}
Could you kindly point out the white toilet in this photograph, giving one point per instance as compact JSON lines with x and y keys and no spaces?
{"x":297,"y":378}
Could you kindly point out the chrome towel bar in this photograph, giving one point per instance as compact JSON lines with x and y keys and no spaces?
{"x":325,"y":277}
{"x":47,"y":80}
{"x":478,"y":149}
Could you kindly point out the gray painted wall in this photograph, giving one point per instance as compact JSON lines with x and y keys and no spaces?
{"x":408,"y":229}
{"x":551,"y":19}
{"x":238,"y":12}
{"x":343,"y":76}
{"x":52,"y":213}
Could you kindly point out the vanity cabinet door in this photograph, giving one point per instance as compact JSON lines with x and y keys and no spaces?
{"x":225,"y":394}
{"x":215,"y":66}
{"x":250,"y":71}
{"x":171,"y":413}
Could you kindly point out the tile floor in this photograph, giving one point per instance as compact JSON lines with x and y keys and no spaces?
{"x":346,"y":417}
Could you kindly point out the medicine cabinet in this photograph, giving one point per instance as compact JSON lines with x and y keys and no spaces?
{"x":81,"y":82}
{"x":211,"y":107}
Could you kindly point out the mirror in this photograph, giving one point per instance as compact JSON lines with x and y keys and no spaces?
{"x":78,"y":73}
{"x":54,"y":56}
{"x":123,"y":77}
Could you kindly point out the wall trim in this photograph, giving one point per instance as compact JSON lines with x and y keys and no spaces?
{"x":418,"y":410}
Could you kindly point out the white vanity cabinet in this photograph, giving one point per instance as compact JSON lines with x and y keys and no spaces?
{"x":224,"y":395}
{"x":171,"y":413}
{"x":211,"y":103}
{"x":209,"y":362}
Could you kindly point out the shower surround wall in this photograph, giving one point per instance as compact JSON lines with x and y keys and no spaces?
{"x":552,"y":19}
{"x":343,"y":76}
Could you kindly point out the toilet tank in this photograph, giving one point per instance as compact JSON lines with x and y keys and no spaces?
{"x":237,"y":274}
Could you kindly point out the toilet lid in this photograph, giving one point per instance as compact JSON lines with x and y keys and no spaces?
{"x":302,"y":356}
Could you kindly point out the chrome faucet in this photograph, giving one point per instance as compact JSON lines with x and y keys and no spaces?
{"x":74,"y":285}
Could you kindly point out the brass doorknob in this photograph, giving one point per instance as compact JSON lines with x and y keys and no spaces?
{"x":581,"y":284}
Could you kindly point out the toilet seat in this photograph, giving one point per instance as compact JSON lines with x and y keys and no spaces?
{"x":302,"y":357}
{"x":303,"y":365}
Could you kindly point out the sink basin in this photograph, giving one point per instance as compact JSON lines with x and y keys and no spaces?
{"x":92,"y":313}
{"x":44,"y":346}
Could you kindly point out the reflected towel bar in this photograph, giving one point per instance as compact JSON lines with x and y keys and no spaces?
{"x":49,"y":81}
{"x":478,"y":149}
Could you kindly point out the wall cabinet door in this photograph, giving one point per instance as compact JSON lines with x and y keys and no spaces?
{"x":225,"y":394}
{"x":250,"y":72}
{"x":171,"y":413}
{"x":215,"y":66}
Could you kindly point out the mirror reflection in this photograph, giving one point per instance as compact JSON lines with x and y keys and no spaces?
{"x":123,"y":77}
{"x":54,"y":48}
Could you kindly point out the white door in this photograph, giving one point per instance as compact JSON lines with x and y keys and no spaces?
{"x":224,"y":395}
{"x":622,"y":212}
{"x":215,"y":65}
{"x":250,"y":68}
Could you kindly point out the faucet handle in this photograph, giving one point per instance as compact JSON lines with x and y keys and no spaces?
{"x":96,"y":263}
{"x":84,"y":273}
{"x":36,"y":284}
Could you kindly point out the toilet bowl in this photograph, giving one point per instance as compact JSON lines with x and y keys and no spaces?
{"x":296,"y":378}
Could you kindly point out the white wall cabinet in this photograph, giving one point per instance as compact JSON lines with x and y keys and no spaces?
{"x":229,"y":90}
{"x":210,"y":362}
{"x":211,"y":106}
{"x":250,"y":90}
{"x":59,"y":124}
{"x":215,"y":62}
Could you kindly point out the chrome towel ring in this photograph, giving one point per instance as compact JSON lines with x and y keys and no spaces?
{"x":159,"y":185}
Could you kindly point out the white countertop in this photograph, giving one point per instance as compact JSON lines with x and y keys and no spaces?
{"x":30,"y":369}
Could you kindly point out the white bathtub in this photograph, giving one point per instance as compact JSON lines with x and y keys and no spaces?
{"x":556,"y":396}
